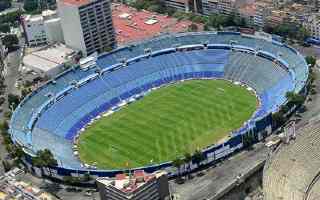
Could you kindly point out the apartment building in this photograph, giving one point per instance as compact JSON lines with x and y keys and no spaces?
{"x":87,"y":25}
{"x":225,"y":7}
{"x":312,"y":24}
{"x":42,"y":29}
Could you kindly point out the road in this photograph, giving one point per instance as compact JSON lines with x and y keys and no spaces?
{"x":12,"y":63}
{"x":218,"y":178}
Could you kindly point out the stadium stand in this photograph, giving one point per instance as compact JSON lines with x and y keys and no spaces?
{"x":60,"y":108}
{"x":290,"y":173}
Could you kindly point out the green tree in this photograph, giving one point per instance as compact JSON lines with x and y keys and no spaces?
{"x":44,"y":158}
{"x":13,"y":100}
{"x":187,"y":161}
{"x":30,"y":5}
{"x":5,"y":4}
{"x":11,"y":42}
{"x":294,"y":99}
{"x":198,"y":157}
{"x":193,"y":27}
{"x":177,"y":163}
{"x":5,"y":28}
{"x":11,"y":18}
{"x":311,"y":61}
{"x":278,"y":119}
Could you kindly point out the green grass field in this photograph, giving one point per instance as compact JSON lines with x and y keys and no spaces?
{"x":167,"y":123}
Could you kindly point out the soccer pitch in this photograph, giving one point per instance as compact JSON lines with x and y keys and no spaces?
{"x":166,"y":123}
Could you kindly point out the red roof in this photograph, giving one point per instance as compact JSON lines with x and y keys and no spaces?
{"x":130,"y":24}
{"x":76,"y":2}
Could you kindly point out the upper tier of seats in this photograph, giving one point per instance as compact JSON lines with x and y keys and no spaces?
{"x":293,"y":168}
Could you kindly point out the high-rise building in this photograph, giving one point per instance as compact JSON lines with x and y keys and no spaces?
{"x":87,"y":25}
{"x":263,"y":10}
{"x":137,"y":186}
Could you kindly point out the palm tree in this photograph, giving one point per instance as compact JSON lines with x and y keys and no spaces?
{"x":198,"y":157}
{"x":177,"y":163}
{"x":187,"y":161}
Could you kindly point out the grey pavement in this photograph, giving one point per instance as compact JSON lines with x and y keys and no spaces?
{"x":218,"y":178}
{"x":13,"y":63}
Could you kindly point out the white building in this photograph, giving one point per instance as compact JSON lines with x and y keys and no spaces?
{"x":53,"y":30}
{"x":182,"y":5}
{"x":262,"y":11}
{"x":49,"y":61}
{"x":42,"y":29}
{"x":34,"y":30}
{"x":87,"y":25}
{"x":225,"y":7}
{"x":312,"y":24}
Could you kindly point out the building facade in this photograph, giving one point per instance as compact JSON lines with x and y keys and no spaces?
{"x":138,"y":186}
{"x":263,"y":10}
{"x":42,"y":29}
{"x":312,"y":24}
{"x":34,"y":31}
{"x":225,"y":7}
{"x":87,"y":25}
{"x":182,"y":5}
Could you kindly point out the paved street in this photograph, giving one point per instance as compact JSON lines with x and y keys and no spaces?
{"x":218,"y":178}
{"x":12,"y":62}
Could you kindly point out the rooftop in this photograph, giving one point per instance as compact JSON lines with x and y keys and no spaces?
{"x":48,"y":58}
{"x":76,"y":2}
{"x":130,"y":183}
{"x":132,"y":25}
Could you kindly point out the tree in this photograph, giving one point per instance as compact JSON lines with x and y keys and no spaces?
{"x":25,"y":92}
{"x":5,"y":28}
{"x":177,"y":163}
{"x":192,"y":27}
{"x":5,"y":4}
{"x":13,"y":100}
{"x":11,"y":18}
{"x":278,"y":119}
{"x":11,"y":42}
{"x":294,"y":99}
{"x":30,"y":5}
{"x":44,"y":158}
{"x":187,"y":160}
{"x":198,"y":157}
{"x":311,"y":61}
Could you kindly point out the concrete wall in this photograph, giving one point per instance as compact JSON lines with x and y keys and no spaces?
{"x":54,"y":31}
{"x":71,"y":26}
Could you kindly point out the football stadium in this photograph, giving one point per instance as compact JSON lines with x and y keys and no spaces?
{"x":147,"y":103}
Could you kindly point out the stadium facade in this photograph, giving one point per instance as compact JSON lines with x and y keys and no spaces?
{"x":53,"y":115}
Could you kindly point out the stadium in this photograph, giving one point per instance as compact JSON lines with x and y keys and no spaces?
{"x":253,"y":71}
{"x":292,"y":171}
